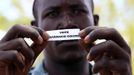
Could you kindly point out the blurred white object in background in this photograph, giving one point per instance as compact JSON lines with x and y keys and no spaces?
{"x":2,"y":33}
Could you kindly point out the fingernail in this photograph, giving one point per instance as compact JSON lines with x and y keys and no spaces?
{"x":45,"y":36}
{"x":89,"y":57}
{"x":87,"y":40}
{"x":82,"y":33}
{"x":40,"y":40}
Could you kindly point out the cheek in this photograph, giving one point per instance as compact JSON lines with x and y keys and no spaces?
{"x":50,"y":49}
{"x":83,"y":21}
{"x":49,"y":24}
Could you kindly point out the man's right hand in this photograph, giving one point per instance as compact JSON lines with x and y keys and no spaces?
{"x":16,"y":56}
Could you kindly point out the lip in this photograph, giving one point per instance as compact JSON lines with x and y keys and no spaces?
{"x":67,"y":43}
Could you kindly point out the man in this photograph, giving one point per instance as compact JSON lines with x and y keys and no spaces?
{"x":112,"y":57}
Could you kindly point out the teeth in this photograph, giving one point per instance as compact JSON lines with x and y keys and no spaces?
{"x":64,"y":34}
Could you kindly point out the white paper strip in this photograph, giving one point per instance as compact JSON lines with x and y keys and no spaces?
{"x":64,"y":34}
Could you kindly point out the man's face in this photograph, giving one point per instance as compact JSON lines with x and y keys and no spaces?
{"x":64,"y":14}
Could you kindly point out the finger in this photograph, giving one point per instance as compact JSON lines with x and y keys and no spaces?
{"x":109,"y":47}
{"x":20,"y":45}
{"x":23,"y":31}
{"x":101,"y":66}
{"x":11,"y":57}
{"x":111,"y":66}
{"x":108,"y":34}
{"x":83,"y":33}
{"x":85,"y":46}
{"x":41,"y":32}
{"x":119,"y":65}
{"x":38,"y":48}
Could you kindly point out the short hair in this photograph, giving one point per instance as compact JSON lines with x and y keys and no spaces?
{"x":36,"y":2}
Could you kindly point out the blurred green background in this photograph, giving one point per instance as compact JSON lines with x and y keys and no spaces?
{"x":113,"y":13}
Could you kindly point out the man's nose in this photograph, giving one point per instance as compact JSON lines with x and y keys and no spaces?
{"x":68,"y":22}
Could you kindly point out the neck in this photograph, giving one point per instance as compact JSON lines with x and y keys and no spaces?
{"x":56,"y":68}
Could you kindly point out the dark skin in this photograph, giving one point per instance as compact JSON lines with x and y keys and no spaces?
{"x":112,"y":57}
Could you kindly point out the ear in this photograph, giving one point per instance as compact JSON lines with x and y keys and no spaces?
{"x":34,"y":23}
{"x":96,"y":19}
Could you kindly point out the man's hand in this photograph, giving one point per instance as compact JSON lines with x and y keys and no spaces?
{"x":112,"y":57}
{"x":16,"y":56}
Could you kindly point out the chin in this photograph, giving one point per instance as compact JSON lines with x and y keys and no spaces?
{"x":67,"y":52}
{"x":73,"y":57}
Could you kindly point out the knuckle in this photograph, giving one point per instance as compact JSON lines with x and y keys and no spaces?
{"x":113,"y":31}
{"x":34,"y":33}
{"x":93,"y":50}
{"x":128,"y":50}
{"x":20,"y":41}
{"x":14,"y":54}
{"x":39,"y":30}
{"x":21,"y":44}
{"x":31,"y":55}
{"x":110,"y":44}
{"x":15,"y":27}
{"x":124,"y":67}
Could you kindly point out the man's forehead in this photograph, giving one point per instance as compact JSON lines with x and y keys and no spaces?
{"x":53,"y":3}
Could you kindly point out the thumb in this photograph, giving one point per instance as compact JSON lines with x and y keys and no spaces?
{"x":38,"y":48}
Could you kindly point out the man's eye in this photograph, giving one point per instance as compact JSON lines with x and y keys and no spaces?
{"x":52,"y":14}
{"x":78,"y":11}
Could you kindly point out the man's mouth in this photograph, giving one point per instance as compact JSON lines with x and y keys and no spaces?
{"x":66,"y":42}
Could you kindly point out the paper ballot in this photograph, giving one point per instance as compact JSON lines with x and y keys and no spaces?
{"x":64,"y":34}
